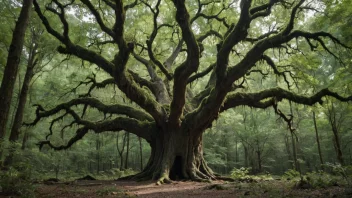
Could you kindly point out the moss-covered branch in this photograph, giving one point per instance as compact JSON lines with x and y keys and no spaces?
{"x":191,"y":64}
{"x":93,"y":85}
{"x":144,"y":130}
{"x":70,"y":48}
{"x":92,"y":103}
{"x":202,"y":73}
{"x":268,"y":96}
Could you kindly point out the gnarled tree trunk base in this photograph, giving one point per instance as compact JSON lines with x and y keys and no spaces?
{"x":176,"y":156}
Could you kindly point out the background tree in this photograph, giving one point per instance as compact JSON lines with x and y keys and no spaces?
{"x":11,"y":68}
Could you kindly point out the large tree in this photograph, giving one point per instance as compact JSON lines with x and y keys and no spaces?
{"x":179,"y":42}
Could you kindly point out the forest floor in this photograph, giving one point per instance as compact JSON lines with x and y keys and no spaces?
{"x":273,"y":188}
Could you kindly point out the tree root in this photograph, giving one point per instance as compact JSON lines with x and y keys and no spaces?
{"x":164,"y":179}
{"x":225,"y":178}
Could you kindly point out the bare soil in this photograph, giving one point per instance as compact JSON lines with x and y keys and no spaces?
{"x":183,"y":189}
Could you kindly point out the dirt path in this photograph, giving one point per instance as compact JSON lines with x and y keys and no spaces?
{"x":180,"y":189}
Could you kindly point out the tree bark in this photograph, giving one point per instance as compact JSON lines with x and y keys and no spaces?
{"x":317,"y":139}
{"x":11,"y":68}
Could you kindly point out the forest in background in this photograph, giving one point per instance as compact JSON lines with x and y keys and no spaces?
{"x":304,"y":138}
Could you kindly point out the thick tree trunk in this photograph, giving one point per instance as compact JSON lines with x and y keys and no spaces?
{"x":176,"y":155}
{"x":317,"y":139}
{"x":11,"y":68}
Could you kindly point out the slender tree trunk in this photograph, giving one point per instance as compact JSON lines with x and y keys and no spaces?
{"x":252,"y":159}
{"x":245,"y":155}
{"x":294,"y":146}
{"x":25,"y":139}
{"x":294,"y":151}
{"x":15,"y":131}
{"x":288,"y":150}
{"x":98,"y":154}
{"x":259,"y":161}
{"x":236,"y":153}
{"x":317,"y":139}
{"x":127,"y":149}
{"x":140,"y":153}
{"x":11,"y":68}
{"x":337,"y":145}
{"x":120,"y":151}
{"x":335,"y":131}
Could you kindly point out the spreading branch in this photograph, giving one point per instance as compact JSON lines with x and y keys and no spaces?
{"x":278,"y":94}
{"x":190,"y":65}
{"x":93,"y":103}
{"x":141,"y":129}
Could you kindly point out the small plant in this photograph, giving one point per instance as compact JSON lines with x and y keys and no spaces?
{"x":291,"y":174}
{"x":239,"y":173}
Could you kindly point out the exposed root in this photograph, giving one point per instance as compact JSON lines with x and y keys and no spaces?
{"x":164,"y":179}
{"x":218,"y":187}
{"x":198,"y":176}
{"x":225,"y":178}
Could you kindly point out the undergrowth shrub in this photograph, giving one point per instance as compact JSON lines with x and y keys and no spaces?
{"x":240,"y":173}
{"x":16,"y":181}
{"x":321,"y":179}
{"x":343,"y":171}
{"x":290,"y":174}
